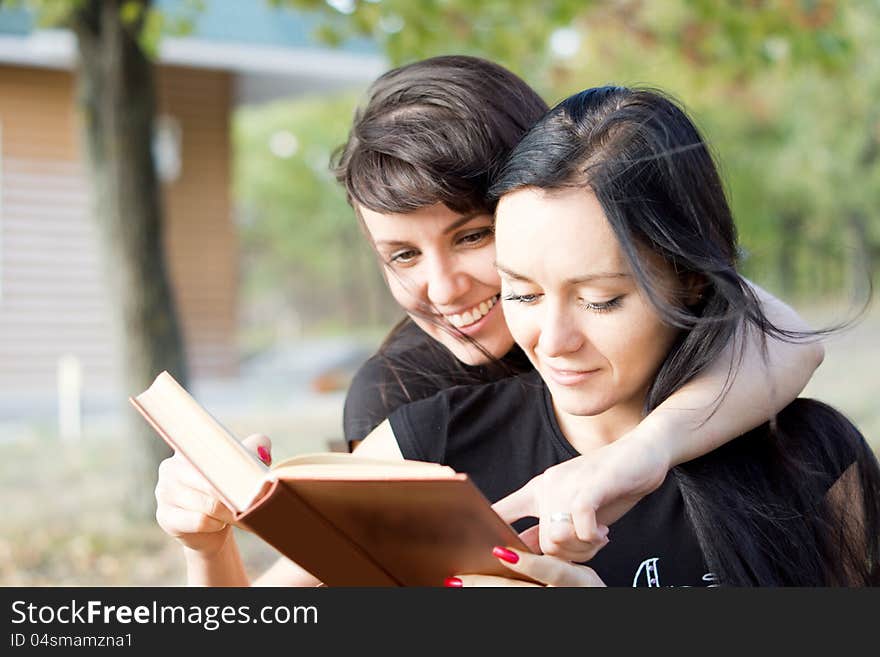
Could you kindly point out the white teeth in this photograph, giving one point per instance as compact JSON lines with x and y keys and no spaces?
{"x":474,"y":314}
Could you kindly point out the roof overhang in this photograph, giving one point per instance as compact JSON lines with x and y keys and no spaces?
{"x":328,"y":67}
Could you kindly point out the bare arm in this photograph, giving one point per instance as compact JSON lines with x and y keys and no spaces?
{"x":223,"y":568}
{"x":758,"y":390}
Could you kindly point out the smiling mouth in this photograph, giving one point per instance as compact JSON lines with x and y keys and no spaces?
{"x":473,"y":315}
{"x":569,"y":377}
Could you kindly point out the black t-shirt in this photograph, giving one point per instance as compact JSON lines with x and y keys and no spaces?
{"x":468,"y":427}
{"x":413,"y":366}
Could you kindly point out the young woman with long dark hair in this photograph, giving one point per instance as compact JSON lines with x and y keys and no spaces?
{"x":618,"y":258}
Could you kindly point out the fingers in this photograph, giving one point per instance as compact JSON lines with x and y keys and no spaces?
{"x":196,"y":501}
{"x":574,"y":537}
{"x":531,"y":538}
{"x":186,"y":504}
{"x":489,"y":580}
{"x":178,"y":522}
{"x":177,"y":472}
{"x":519,"y":504}
{"x":189,"y":508}
{"x":261,"y":445}
{"x":549,"y":570}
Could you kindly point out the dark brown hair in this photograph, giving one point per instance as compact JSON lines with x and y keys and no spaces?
{"x":435,"y":131}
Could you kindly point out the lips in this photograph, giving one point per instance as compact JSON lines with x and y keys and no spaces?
{"x":568,"y":377}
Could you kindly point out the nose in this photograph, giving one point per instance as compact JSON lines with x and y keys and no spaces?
{"x":560,"y":331}
{"x":447,"y":281}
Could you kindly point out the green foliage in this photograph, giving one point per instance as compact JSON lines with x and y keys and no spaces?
{"x":511,"y":32}
{"x":291,"y":189}
{"x":785,"y":90}
{"x":304,"y":252}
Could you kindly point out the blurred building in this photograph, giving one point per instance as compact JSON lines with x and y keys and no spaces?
{"x":53,"y":296}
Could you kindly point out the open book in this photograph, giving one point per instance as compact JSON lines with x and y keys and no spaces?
{"x":350,"y":521}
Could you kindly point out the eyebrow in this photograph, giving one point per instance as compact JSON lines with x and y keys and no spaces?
{"x":577,"y":280}
{"x":458,"y":223}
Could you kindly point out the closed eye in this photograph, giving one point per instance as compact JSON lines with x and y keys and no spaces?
{"x":604,"y":306}
{"x":522,"y":298}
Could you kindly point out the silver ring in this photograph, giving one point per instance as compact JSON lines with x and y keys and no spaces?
{"x":561,"y":516}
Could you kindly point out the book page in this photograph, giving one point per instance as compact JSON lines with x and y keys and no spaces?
{"x":333,"y":465}
{"x":187,"y":427}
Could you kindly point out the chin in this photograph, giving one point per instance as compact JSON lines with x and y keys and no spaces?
{"x":579,"y":404}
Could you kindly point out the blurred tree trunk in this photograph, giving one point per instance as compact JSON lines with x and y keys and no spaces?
{"x":117,"y":99}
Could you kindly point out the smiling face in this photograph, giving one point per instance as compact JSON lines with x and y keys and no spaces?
{"x":439,"y":266}
{"x":572,"y":303}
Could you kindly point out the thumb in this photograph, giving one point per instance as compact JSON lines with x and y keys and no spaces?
{"x":518,"y":504}
{"x":261,"y":445}
{"x":532,"y":538}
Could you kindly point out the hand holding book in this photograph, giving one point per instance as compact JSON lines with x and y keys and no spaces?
{"x":190,"y":509}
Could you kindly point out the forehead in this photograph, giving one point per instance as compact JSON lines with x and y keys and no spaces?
{"x":430,"y":221}
{"x":555,"y":233}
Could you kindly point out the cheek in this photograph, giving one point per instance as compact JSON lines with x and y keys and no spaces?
{"x":480,"y":266}
{"x":521,"y":324}
{"x":638,"y":347}
{"x":404,"y":289}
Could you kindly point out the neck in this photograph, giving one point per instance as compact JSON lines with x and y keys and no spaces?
{"x":589,"y":432}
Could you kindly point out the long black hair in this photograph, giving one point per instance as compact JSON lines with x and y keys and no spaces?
{"x":793,"y":502}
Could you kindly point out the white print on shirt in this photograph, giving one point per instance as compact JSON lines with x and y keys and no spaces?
{"x":651,"y":573}
{"x":649,"y":566}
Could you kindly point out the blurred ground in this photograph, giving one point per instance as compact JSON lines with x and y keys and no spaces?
{"x":60,"y":501}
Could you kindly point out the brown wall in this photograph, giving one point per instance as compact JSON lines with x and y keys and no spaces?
{"x":201,"y":240}
{"x":53,"y":297}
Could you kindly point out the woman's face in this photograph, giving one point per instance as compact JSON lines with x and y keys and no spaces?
{"x":442,"y":264}
{"x":572,"y":303}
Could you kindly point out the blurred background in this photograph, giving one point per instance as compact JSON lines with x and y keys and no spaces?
{"x":166,"y":203}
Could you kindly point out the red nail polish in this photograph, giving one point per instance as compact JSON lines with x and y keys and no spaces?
{"x":264,"y":455}
{"x":505,"y":555}
{"x":453,"y":582}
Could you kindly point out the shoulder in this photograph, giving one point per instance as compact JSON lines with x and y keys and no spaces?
{"x":405,"y":369}
{"x":371,"y":396}
{"x":465,"y":414}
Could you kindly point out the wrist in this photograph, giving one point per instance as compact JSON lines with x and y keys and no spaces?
{"x":656,"y":436}
{"x":218,"y":566}
{"x":211,"y":547}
